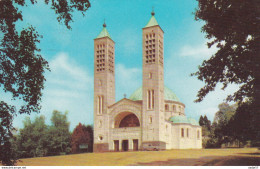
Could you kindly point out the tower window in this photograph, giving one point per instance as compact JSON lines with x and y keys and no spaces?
{"x":100,"y":104}
{"x":100,"y":124}
{"x":150,"y":75}
{"x":187,"y":132}
{"x":150,"y":120}
{"x":150,"y":99}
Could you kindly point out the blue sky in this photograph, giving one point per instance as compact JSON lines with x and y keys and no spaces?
{"x":70,"y":53}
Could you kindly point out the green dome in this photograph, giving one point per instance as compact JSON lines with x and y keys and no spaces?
{"x":193,"y":122}
{"x":168,"y":95}
{"x":179,"y":119}
{"x":183,"y":119}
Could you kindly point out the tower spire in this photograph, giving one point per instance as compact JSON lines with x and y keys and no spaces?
{"x":104,"y":25}
{"x":153,"y":12}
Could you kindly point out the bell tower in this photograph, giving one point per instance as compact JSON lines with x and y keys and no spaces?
{"x":104,"y":87}
{"x":153,"y":85}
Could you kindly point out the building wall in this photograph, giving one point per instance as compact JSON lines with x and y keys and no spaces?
{"x":183,"y":141}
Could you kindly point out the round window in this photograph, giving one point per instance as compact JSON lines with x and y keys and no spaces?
{"x":100,"y":138}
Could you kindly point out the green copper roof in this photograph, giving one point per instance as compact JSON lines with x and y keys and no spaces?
{"x":152,"y":22}
{"x":168,"y":95}
{"x":193,"y":122}
{"x":179,"y":119}
{"x":183,"y":119}
{"x":103,"y":33}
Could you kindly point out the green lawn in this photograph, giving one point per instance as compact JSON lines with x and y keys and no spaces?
{"x":244,"y":156}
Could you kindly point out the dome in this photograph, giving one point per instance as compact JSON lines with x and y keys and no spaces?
{"x":179,"y":119}
{"x":193,"y":122}
{"x":168,"y":95}
{"x":183,"y":119}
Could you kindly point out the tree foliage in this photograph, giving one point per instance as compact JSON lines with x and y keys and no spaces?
{"x":22,"y":66}
{"x":203,"y":121}
{"x":58,"y":134}
{"x":82,"y":135}
{"x":220,"y":131}
{"x":37,"y":139}
{"x":32,"y":140}
{"x":233,"y":26}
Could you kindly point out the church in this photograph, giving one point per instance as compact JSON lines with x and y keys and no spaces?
{"x":152,"y":118}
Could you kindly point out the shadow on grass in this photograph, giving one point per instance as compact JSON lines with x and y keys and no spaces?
{"x":207,"y":161}
{"x":250,"y":153}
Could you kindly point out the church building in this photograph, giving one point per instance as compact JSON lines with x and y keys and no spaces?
{"x":152,"y":118}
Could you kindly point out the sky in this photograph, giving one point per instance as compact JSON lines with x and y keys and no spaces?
{"x":70,"y":53}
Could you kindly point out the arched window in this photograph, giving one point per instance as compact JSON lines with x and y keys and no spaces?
{"x":129,"y":121}
{"x":173,"y":108}
{"x":187,"y":132}
{"x":198,"y":134}
{"x":166,"y":107}
{"x":182,"y":132}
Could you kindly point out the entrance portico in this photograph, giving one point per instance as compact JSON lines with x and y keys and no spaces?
{"x":126,"y":145}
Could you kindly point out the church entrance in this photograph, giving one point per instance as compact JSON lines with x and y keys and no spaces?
{"x":116,"y":145}
{"x":125,"y":145}
{"x":135,"y":144}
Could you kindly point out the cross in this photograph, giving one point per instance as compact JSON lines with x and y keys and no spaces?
{"x":124,"y":95}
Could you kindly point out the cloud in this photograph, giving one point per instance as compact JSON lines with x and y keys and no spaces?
{"x":198,"y":51}
{"x":67,"y":73}
{"x":68,"y":87}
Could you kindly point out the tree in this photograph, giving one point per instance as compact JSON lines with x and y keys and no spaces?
{"x":82,"y":135}
{"x":32,"y":140}
{"x":58,"y":134}
{"x":206,"y":129}
{"x":240,"y":125}
{"x":234,"y":27}
{"x":205,"y":124}
{"x":220,"y":131}
{"x":21,"y":65}
{"x":201,"y":121}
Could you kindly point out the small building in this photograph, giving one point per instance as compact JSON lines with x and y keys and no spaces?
{"x":152,"y":118}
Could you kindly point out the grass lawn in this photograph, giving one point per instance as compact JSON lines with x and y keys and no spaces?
{"x":244,"y":156}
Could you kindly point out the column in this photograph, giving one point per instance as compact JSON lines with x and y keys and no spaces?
{"x":130,"y":144}
{"x":120,"y":145}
